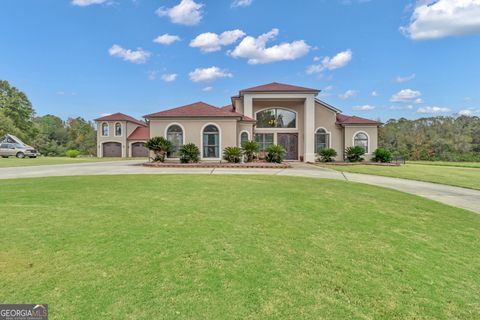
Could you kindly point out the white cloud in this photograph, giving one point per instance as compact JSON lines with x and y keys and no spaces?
{"x":169,"y":77}
{"x":207,"y":89}
{"x":152,"y":75}
{"x":84,"y":3}
{"x":187,"y":12}
{"x":135,"y":56}
{"x":340,"y":60}
{"x":255,"y":50}
{"x":166,"y":39}
{"x":208,"y":74}
{"x":406,"y":95}
{"x":348,"y":94}
{"x":374,"y":93}
{"x":211,"y":42}
{"x":433,"y":19}
{"x":316,"y":58}
{"x":433,"y":110}
{"x":400,"y":79}
{"x":469,"y":112}
{"x":241,"y":3}
{"x":402,"y":107}
{"x":366,"y":107}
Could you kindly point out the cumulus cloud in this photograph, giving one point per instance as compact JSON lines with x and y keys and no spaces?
{"x":166,"y":39}
{"x":135,"y":56}
{"x":400,"y":79}
{"x":433,"y":110}
{"x":208,"y":74}
{"x":433,"y":19}
{"x":366,"y":107}
{"x":187,"y":12}
{"x":84,"y":3}
{"x":340,"y":60}
{"x":241,"y":3}
{"x":211,"y":42}
{"x":169,"y":77}
{"x":256,"y":51}
{"x":348,"y":94}
{"x":469,"y":112}
{"x":402,"y":107}
{"x":407,"y":96}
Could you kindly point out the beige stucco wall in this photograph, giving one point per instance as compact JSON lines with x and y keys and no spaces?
{"x":111,"y":136}
{"x":245,"y":126}
{"x":326,"y":118}
{"x":371,"y":131}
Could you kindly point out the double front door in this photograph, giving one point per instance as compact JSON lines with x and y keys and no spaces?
{"x":290,"y":142}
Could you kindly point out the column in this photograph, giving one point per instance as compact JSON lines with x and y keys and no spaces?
{"x":309,"y":129}
{"x":248,"y":105}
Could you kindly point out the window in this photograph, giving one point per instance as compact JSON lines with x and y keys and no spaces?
{"x":211,"y":142}
{"x":276,"y":118}
{"x":243,"y":138}
{"x":118,"y":129}
{"x":105,"y":129}
{"x":361,"y":139}
{"x":264,"y":140}
{"x":175,"y":136}
{"x":322,"y":140}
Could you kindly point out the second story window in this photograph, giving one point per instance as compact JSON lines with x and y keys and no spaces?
{"x":105,"y":129}
{"x":118,"y":129}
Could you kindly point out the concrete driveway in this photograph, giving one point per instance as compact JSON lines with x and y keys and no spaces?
{"x":455,"y":196}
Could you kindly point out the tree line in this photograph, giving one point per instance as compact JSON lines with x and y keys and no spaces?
{"x":49,"y":134}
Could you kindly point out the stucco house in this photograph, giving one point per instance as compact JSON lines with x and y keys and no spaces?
{"x":274,"y":113}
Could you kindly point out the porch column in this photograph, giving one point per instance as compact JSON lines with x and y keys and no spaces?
{"x":309,"y":129}
{"x":248,"y":105}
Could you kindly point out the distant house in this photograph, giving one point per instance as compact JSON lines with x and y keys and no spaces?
{"x":274,"y":113}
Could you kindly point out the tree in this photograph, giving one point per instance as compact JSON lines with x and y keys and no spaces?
{"x":81,"y":136}
{"x":51,"y":139}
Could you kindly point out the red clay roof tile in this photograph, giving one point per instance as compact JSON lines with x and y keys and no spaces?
{"x":140,"y":133}
{"x":344,"y":119}
{"x":121,"y":117}
{"x":197,"y":109}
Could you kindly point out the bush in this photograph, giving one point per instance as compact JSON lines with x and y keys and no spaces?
{"x":250,"y":149}
{"x":355,"y":154}
{"x":72,"y":153}
{"x":327,"y":154}
{"x":160,"y":146}
{"x":382,"y":155}
{"x":275,"y":153}
{"x":189,"y":153}
{"x":233,"y":154}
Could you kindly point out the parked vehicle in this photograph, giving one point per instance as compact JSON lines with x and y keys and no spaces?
{"x":13,"y":146}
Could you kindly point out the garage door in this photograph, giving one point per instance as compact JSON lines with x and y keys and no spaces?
{"x":139,"y":150}
{"x":112,"y":149}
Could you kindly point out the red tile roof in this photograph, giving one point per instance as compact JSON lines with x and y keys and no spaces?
{"x":197,"y":109}
{"x":229,"y":108}
{"x":140,"y":133}
{"x":121,"y":117}
{"x":278,"y":87}
{"x":344,"y":119}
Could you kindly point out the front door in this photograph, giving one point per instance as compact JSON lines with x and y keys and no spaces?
{"x":290,"y":142}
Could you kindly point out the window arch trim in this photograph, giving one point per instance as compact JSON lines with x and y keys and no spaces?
{"x":183,"y":134}
{"x":368,"y":140}
{"x":219,"y":141}
{"x":240,"y":137}
{"x":327,"y":133}
{"x":275,"y":128}
{"x":115,"y":129}
{"x":106,"y":125}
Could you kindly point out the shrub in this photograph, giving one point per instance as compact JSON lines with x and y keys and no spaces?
{"x":275,"y":153}
{"x":327,"y":154}
{"x":233,"y":154}
{"x":72,"y":153}
{"x":160,"y":146}
{"x":189,"y":153}
{"x":250,"y":149}
{"x":382,"y":155}
{"x":355,"y":154}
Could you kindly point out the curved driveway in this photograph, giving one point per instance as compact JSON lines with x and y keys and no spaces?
{"x":455,"y":196}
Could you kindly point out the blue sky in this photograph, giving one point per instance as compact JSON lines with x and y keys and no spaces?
{"x":372,"y":58}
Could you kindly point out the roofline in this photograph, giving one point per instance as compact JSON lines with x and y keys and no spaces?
{"x":152,"y":116}
{"x":378,"y":124}
{"x":240,"y":93}
{"x":329,"y":106}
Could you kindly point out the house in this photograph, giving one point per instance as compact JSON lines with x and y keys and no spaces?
{"x":274,"y":113}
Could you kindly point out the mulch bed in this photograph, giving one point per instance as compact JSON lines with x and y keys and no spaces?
{"x":252,"y":165}
{"x":392,"y":164}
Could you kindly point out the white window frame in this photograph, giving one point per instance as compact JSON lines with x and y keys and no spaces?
{"x":220,"y":148}
{"x":295,"y":129}
{"x":368,"y":140}
{"x":115,"y":129}
{"x":240,"y":137}
{"x":183,"y":134}
{"x":108,"y":129}
{"x":329,"y":137}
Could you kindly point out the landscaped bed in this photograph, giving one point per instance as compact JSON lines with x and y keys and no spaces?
{"x":258,"y":165}
{"x":234,"y":247}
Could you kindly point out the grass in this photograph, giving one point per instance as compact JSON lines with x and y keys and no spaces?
{"x":448,"y":164}
{"x":234,"y":247}
{"x":466,"y":177}
{"x":41,"y":161}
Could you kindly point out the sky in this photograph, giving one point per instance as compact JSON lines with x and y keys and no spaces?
{"x":371,"y":58}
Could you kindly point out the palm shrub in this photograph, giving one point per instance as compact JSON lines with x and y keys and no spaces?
{"x":275,"y":153}
{"x":382,"y":155}
{"x":233,"y":154}
{"x":327,"y":154}
{"x":355,"y":154}
{"x":160,"y":146}
{"x":250,"y":149}
{"x":189,"y":153}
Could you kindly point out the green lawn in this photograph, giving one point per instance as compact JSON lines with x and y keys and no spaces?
{"x":448,"y":164}
{"x":234,"y":247}
{"x":467,"y":177}
{"x":41,"y":161}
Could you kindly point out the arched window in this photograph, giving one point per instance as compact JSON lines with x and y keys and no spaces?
{"x":105,"y":129}
{"x":276,"y":118}
{"x":211,"y":142}
{"x":361,"y":139}
{"x":243,"y":138}
{"x":322,"y":140}
{"x":175,"y":136}
{"x":118,"y":129}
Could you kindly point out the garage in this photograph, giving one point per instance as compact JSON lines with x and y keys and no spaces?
{"x":112,"y":149}
{"x":139,"y":149}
